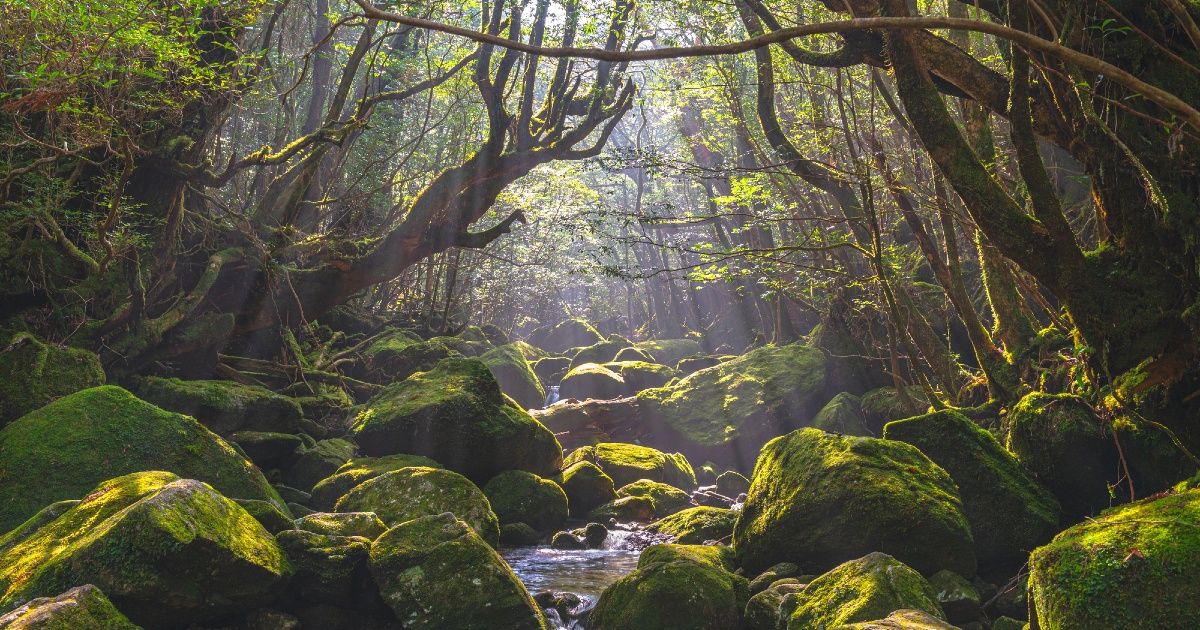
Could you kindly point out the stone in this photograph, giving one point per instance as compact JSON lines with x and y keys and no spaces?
{"x":627,"y":463}
{"x":586,"y":486}
{"x":34,"y":373}
{"x":224,"y":406}
{"x":83,"y":607}
{"x":514,"y":375}
{"x":866,"y":589}
{"x":517,"y":496}
{"x":697,"y":525}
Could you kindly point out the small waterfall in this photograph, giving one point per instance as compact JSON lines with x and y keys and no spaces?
{"x":551,"y":396}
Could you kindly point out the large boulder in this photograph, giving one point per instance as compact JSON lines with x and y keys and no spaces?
{"x":697,"y":525}
{"x":318,"y":462}
{"x":627,"y":463}
{"x":1009,"y":512}
{"x":843,"y":414}
{"x":164,"y":549}
{"x":456,"y":415}
{"x":670,"y":351}
{"x":639,"y":375}
{"x":819,"y":499}
{"x":64,"y":449}
{"x":517,"y":496}
{"x":571,"y":333}
{"x":907,"y":620}
{"x":396,"y":355}
{"x":1133,"y":566}
{"x":328,"y":569}
{"x":592,"y":380}
{"x":349,"y":475}
{"x":515,"y":376}
{"x":885,"y":404}
{"x":409,"y":493}
{"x":82,"y":607}
{"x":725,"y":413}
{"x":436,"y":572}
{"x":601,"y":352}
{"x":674,"y":586}
{"x":224,"y":406}
{"x":869,"y":588}
{"x":33,"y":373}
{"x":667,"y":498}
{"x":551,"y":370}
{"x":587,"y":487}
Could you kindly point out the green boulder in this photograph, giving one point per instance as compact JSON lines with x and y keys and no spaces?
{"x":62,"y":450}
{"x":33,"y":373}
{"x":697,"y":525}
{"x":362,"y":524}
{"x":639,"y":375}
{"x":884,"y":404}
{"x":624,"y":509}
{"x":905,"y":620}
{"x":328,"y":569}
{"x":843,"y":414}
{"x":396,"y":355}
{"x":81,"y":608}
{"x":318,"y":462}
{"x":667,"y":498}
{"x":435,"y":572}
{"x":271,"y":517}
{"x":326,"y":493}
{"x":630,"y":353}
{"x":587,"y":487}
{"x":456,"y":415}
{"x":517,"y":496}
{"x":551,"y":370}
{"x":514,"y":375}
{"x":817,"y":499}
{"x":601,"y":352}
{"x":592,"y":380}
{"x":571,"y":333}
{"x":869,"y":588}
{"x":627,"y":463}
{"x":732,"y":484}
{"x":670,"y":351}
{"x":224,"y":406}
{"x":408,"y":493}
{"x":763,"y":611}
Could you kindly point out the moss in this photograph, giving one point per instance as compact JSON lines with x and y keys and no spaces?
{"x":586,"y":487}
{"x":871,"y":587}
{"x":67,"y":447}
{"x":329,"y":569}
{"x":272,"y":518}
{"x":762,"y":611}
{"x":884,"y":404}
{"x":818,"y":499}
{"x":601,"y":352}
{"x":457,"y":415}
{"x":624,"y":509}
{"x":639,"y":375}
{"x":627,"y":463}
{"x":161,"y":547}
{"x":695,"y":364}
{"x":531,"y":352}
{"x":436,"y":572}
{"x":697,"y":525}
{"x":572,"y":333}
{"x":715,"y":556}
{"x":905,"y":620}
{"x":515,"y":376}
{"x":362,"y":524}
{"x":843,"y":414}
{"x":1009,"y":512}
{"x":224,"y":406}
{"x":359,"y":469}
{"x":396,"y":356}
{"x":409,"y":493}
{"x":591,"y":380}
{"x":667,"y":498}
{"x":319,"y":462}
{"x":519,"y":535}
{"x":732,"y":484}
{"x":33,"y":373}
{"x":670,"y":351}
{"x":464,"y":347}
{"x":728,"y":411}
{"x":81,"y":607}
{"x":268,"y":450}
{"x":1134,"y":566}
{"x":629,"y":353}
{"x":684,"y":587}
{"x":522,"y":497}
{"x":957,"y":597}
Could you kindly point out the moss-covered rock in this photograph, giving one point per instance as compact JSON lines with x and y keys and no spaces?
{"x":904,"y":620}
{"x":667,"y":498}
{"x":318,"y":462}
{"x":684,"y":587}
{"x":33,"y":373}
{"x":726,"y":412}
{"x":361,"y":524}
{"x":639,"y":375}
{"x":531,"y":352}
{"x":270,"y":516}
{"x":697,"y":525}
{"x":571,"y":333}
{"x":164,"y":549}
{"x":1009,"y":512}
{"x":457,"y":415}
{"x":464,"y":347}
{"x":326,"y":493}
{"x":763,"y":611}
{"x":586,"y":487}
{"x":81,"y":608}
{"x":958,"y":597}
{"x":269,"y":451}
{"x":519,"y":535}
{"x":397,"y":355}
{"x":551,"y":370}
{"x":670,"y":351}
{"x":517,"y":496}
{"x":629,"y":353}
{"x":602,"y":352}
{"x":592,"y":380}
{"x":843,"y":414}
{"x":732,"y":484}
{"x":328,"y":569}
{"x":515,"y":376}
{"x":627,"y":463}
{"x":1134,"y":566}
{"x":695,"y":364}
{"x":408,"y":493}
{"x":624,"y":509}
{"x":62,"y":450}
{"x":780,"y":571}
{"x":869,"y":588}
{"x":435,"y":572}
{"x":885,"y":404}
{"x":223,"y":406}
{"x":817,"y":499}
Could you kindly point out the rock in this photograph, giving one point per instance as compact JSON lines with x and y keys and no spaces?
{"x":667,"y":498}
{"x":727,"y":412}
{"x":458,"y":346}
{"x":361,"y":524}
{"x":164,"y":549}
{"x":517,"y":496}
{"x":551,"y":370}
{"x":716,"y":556}
{"x":583,"y":422}
{"x":1008,"y":511}
{"x":267,"y":514}
{"x":35,"y":522}
{"x":34,"y":373}
{"x":329,"y":569}
{"x":594,"y":535}
{"x":359,"y":469}
{"x":592,"y":380}
{"x":1012,"y":599}
{"x":763,"y":609}
{"x":904,"y":620}
{"x":566,"y":541}
{"x":818,"y":498}
{"x":1008,"y":623}
{"x":697,"y":525}
{"x":639,"y":509}
{"x":1133,"y":566}
{"x":519,"y":535}
{"x":695,"y":364}
{"x":572,"y":333}
{"x":732,"y":484}
{"x":63,"y":450}
{"x":493,"y":334}
{"x":300,"y":510}
{"x":843,"y":414}
{"x":627,"y":463}
{"x":83,"y":607}
{"x":869,"y":588}
{"x":629,"y":353}
{"x":319,"y":462}
{"x":409,"y":493}
{"x":772,"y":575}
{"x":436,"y":572}
{"x":639,"y":375}
{"x":586,"y":486}
{"x":292,"y":495}
{"x":456,"y":415}
{"x":397,"y":355}
{"x":669,"y":351}
{"x":566,"y":606}
{"x":673,"y":589}
{"x":223,"y":406}
{"x":958,"y":598}
{"x":884,"y":404}
{"x":514,"y":375}
{"x":269,"y":451}
{"x":602,"y":352}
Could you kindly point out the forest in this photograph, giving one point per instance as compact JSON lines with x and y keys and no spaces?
{"x":599,"y":314}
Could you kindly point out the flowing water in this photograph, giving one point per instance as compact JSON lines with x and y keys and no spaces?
{"x":551,"y":396}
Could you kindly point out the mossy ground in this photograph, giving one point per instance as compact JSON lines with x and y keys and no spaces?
{"x":592,"y":380}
